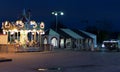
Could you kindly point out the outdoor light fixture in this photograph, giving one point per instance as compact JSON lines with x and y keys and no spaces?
{"x":56,"y":13}
{"x":62,"y":13}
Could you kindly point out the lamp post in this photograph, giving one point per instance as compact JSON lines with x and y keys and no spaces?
{"x":56,"y":13}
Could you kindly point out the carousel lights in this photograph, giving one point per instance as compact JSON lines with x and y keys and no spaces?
{"x":4,"y":32}
{"x":42,"y":25}
{"x":12,"y":33}
{"x":32,"y":33}
{"x":41,"y":32}
{"x":13,"y":29}
{"x":9,"y":30}
{"x":20,"y":23}
{"x":38,"y":32}
{"x":33,"y":23}
{"x":34,"y":30}
{"x":21,"y":31}
{"x":6,"y":24}
{"x":29,"y":30}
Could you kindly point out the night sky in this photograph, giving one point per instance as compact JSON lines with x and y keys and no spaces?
{"x":78,"y":13}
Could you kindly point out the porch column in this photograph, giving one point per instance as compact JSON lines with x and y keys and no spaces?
{"x":38,"y":37}
{"x":40,"y":40}
{"x":7,"y":37}
{"x":82,"y":44}
{"x":78,"y":44}
{"x":35,"y":36}
{"x":64,"y":43}
{"x":14,"y":36}
{"x":17,"y":37}
{"x":31,"y":36}
{"x":10,"y":37}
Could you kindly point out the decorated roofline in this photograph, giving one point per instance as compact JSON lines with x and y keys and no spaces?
{"x":20,"y":25}
{"x":23,"y":24}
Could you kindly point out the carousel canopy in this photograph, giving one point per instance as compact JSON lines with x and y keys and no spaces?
{"x":24,"y":23}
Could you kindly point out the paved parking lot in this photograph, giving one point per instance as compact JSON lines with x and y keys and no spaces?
{"x":61,"y":61}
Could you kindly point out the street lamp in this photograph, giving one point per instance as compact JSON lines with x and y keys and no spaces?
{"x":56,"y":13}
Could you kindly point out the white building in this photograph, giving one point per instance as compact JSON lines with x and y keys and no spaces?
{"x":70,"y":39}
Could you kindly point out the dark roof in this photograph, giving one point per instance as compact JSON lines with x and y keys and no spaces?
{"x":59,"y":31}
{"x":81,"y":33}
{"x":63,"y":34}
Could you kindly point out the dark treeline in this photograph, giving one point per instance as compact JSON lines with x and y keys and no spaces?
{"x":103,"y":34}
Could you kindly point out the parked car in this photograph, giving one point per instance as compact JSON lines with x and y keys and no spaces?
{"x":111,"y":45}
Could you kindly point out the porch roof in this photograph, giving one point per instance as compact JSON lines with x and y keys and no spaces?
{"x":72,"y":34}
{"x":81,"y":33}
{"x":89,"y":34}
{"x":63,"y":34}
{"x":51,"y":32}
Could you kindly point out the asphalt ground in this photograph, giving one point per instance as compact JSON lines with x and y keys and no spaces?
{"x":61,"y":61}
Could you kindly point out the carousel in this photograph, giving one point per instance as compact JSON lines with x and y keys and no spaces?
{"x":24,"y":32}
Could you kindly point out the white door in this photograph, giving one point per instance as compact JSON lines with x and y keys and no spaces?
{"x":45,"y":41}
{"x":54,"y":42}
{"x":62,"y":43}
